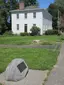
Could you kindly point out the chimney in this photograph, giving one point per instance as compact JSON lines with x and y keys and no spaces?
{"x":21,"y":5}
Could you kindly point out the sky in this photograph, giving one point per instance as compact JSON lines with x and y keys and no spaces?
{"x":45,"y":3}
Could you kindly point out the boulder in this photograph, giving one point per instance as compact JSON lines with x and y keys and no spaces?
{"x":36,"y":41}
{"x":16,"y":70}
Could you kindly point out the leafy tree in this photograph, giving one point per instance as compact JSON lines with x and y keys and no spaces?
{"x":3,"y":26}
{"x":30,"y":2}
{"x":53,"y":10}
{"x":60,"y":3}
{"x":2,"y":17}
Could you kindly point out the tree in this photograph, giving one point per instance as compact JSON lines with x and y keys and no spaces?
{"x":3,"y":26}
{"x":30,"y":2}
{"x":2,"y":17}
{"x":60,"y":5}
{"x":10,"y":5}
{"x":53,"y":10}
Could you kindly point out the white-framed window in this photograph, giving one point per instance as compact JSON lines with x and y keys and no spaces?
{"x":17,"y":26}
{"x":17,"y":15}
{"x":34,"y":14}
{"x":34,"y":24}
{"x":25,"y":27}
{"x":25,"y":15}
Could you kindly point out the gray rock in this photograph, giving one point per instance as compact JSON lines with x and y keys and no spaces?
{"x":16,"y":70}
{"x":36,"y":41}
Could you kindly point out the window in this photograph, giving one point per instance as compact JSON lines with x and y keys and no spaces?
{"x":25,"y":28}
{"x":25,"y":15}
{"x":34,"y":15}
{"x":17,"y":16}
{"x":34,"y":24}
{"x":17,"y":26}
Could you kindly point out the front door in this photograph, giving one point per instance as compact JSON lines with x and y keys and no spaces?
{"x":25,"y":28}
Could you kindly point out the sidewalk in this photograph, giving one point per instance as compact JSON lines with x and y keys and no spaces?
{"x":56,"y":76}
{"x":34,"y":77}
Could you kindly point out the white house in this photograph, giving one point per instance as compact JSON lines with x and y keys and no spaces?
{"x":24,"y":18}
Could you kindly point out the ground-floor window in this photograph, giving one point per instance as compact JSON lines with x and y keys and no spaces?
{"x":17,"y":26}
{"x":34,"y":24}
{"x":25,"y":28}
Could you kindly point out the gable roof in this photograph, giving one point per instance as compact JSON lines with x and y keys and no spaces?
{"x":46,"y":14}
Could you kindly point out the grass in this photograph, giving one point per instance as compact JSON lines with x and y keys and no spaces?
{"x":42,"y":59}
{"x":0,"y":84}
{"x":19,"y":40}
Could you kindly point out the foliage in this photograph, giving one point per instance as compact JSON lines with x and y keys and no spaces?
{"x":3,"y":26}
{"x":30,"y":2}
{"x":52,"y":32}
{"x":7,"y":33}
{"x":53,"y":10}
{"x":62,"y":29}
{"x":35,"y":30}
{"x":60,"y":3}
{"x":62,"y":37}
{"x":24,"y":34}
{"x":10,"y":5}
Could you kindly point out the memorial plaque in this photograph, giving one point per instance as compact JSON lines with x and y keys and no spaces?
{"x":21,"y":67}
{"x":16,"y":70}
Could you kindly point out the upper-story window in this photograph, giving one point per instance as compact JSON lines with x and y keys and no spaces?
{"x":25,"y":15}
{"x":17,"y":15}
{"x":34,"y":15}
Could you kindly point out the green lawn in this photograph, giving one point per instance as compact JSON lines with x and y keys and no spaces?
{"x":0,"y":84}
{"x":42,"y":59}
{"x":19,"y":40}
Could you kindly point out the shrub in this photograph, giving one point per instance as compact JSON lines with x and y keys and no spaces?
{"x":24,"y":34}
{"x":8,"y":33}
{"x":62,"y":29}
{"x":62,"y":37}
{"x":35,"y":30}
{"x":52,"y":32}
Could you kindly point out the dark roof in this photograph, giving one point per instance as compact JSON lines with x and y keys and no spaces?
{"x":46,"y":14}
{"x":26,"y":10}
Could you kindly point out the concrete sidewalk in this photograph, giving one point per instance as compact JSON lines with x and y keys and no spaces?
{"x":56,"y":76}
{"x":34,"y":77}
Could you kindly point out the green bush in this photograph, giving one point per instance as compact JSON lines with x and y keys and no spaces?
{"x":62,"y":29}
{"x":62,"y":37}
{"x":52,"y":32}
{"x":35,"y":30}
{"x":24,"y":34}
{"x":8,"y":33}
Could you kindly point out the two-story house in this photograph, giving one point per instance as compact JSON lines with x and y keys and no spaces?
{"x":24,"y":18}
